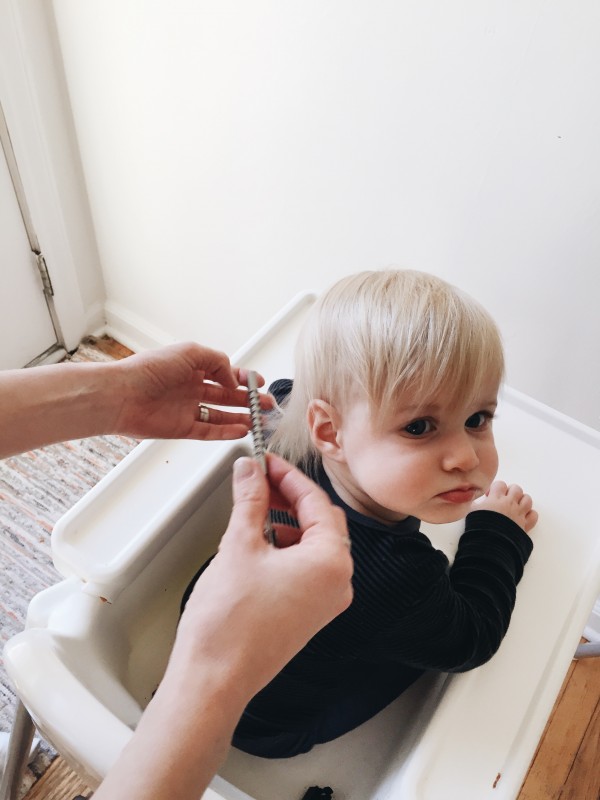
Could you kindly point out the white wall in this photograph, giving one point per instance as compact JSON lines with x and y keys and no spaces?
{"x":239,"y":152}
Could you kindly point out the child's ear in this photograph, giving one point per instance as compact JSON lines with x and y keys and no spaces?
{"x":324,"y":423}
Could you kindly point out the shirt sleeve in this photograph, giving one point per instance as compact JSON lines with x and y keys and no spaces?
{"x":460,"y":616}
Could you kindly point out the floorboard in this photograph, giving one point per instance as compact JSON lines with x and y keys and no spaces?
{"x":59,"y":782}
{"x":565,"y":766}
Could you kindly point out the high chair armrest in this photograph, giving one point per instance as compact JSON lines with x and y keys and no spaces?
{"x":111,"y":535}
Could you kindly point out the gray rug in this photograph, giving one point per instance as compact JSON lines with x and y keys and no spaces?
{"x":36,"y":489}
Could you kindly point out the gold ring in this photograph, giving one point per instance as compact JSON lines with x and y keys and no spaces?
{"x":204,"y":413}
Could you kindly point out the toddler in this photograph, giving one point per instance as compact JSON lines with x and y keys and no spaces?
{"x":396,"y":383}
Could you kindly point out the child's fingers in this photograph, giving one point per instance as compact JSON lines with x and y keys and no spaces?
{"x":526,"y":503}
{"x":514,"y":492}
{"x":497,"y":489}
{"x":517,"y":495}
{"x":531,"y":519}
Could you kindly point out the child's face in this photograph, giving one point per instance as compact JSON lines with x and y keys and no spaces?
{"x":428,"y":461}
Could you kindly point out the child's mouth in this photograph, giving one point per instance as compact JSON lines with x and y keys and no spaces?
{"x":466,"y":495}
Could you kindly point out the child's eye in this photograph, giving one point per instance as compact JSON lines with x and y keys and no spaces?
{"x":479,"y":421}
{"x":419,"y":427}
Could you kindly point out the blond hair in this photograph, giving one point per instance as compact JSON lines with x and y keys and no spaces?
{"x":381,"y":334}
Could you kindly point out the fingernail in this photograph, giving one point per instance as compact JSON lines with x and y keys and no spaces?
{"x":243,"y":468}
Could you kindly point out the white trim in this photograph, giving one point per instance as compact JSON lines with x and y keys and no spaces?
{"x":592,"y":630}
{"x":95,"y":319}
{"x":138,"y":334}
{"x":562,"y":421}
{"x":132,"y":330}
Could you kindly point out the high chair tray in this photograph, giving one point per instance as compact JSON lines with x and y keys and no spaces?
{"x":113,"y":532}
{"x":85,"y":668}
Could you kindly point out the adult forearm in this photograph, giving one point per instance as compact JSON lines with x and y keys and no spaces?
{"x":43,"y":405}
{"x":155,"y":394}
{"x":252,"y":610}
{"x":183,"y":737}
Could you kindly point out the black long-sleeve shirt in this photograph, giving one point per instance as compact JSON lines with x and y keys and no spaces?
{"x":411,"y":612}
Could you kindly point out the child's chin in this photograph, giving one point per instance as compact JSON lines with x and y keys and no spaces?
{"x":452,"y":514}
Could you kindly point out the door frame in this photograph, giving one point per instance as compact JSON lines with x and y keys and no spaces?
{"x":57,"y":349}
{"x":28,"y":44}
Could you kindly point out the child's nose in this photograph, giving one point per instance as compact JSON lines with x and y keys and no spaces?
{"x":460,"y":454}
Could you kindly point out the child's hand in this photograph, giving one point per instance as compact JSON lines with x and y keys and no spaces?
{"x":510,"y":501}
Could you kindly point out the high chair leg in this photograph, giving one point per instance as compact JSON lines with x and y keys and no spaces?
{"x":21,"y":737}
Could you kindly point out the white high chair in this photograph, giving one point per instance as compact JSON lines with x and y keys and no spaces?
{"x":95,"y":645}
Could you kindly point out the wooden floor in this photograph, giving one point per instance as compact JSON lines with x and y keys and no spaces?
{"x":566,"y":765}
{"x":58,"y":783}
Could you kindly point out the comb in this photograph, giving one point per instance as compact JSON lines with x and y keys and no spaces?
{"x":258,"y":440}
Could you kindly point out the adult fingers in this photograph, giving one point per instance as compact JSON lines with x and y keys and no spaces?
{"x":250,"y":500}
{"x":207,"y":432}
{"x":210,"y":416}
{"x":287,"y":535}
{"x":308,"y":502}
{"x":214,"y":364}
{"x":222,"y":396}
{"x":242,"y":376}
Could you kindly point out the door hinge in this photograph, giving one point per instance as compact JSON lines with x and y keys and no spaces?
{"x":45,"y":275}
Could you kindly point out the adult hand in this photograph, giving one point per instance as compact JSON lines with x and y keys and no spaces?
{"x":251,"y":610}
{"x":150,"y":395}
{"x":161,"y":391}
{"x":256,"y":605}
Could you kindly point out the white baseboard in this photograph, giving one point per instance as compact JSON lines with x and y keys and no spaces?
{"x":95,"y":319}
{"x":131,"y":330}
{"x":592,"y":629}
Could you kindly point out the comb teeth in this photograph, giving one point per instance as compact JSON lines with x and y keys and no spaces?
{"x":258,"y":441}
{"x":258,"y":438}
